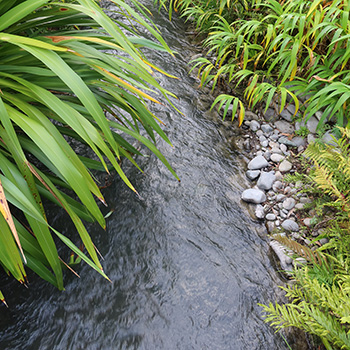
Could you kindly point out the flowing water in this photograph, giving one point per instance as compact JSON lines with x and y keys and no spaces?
{"x":187,"y":262}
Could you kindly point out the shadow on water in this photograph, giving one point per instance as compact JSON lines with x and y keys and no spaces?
{"x":188,"y":264}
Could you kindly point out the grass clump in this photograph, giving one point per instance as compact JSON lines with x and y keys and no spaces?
{"x":281,"y":51}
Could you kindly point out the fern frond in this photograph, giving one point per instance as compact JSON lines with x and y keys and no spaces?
{"x":301,"y":250}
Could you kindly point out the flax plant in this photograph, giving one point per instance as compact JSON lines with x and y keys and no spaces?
{"x":63,"y":66}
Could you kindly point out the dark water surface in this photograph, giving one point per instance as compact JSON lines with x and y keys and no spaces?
{"x":188,"y":264}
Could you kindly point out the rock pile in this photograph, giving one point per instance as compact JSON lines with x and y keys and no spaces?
{"x":273,"y":145}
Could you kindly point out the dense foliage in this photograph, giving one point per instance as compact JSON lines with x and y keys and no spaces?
{"x":279,"y":50}
{"x":63,"y":67}
{"x":320,"y":297}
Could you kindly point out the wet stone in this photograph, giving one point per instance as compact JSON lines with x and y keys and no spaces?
{"x":253,"y":195}
{"x":258,"y":162}
{"x":254,"y":125}
{"x":266,"y":180}
{"x":276,"y":158}
{"x":278,"y":175}
{"x":290,"y":225}
{"x":280,"y":197}
{"x":267,"y":155}
{"x":270,"y":226}
{"x":253,"y":174}
{"x":259,"y":211}
{"x":312,"y":124}
{"x":259,"y":133}
{"x":283,"y":148}
{"x":299,"y":141}
{"x":270,"y":217}
{"x":285,"y":141}
{"x":307,"y":222}
{"x":286,"y":115}
{"x":285,"y":166}
{"x":277,"y":186}
{"x":289,"y":203}
{"x":299,"y":206}
{"x":284,"y":127}
{"x":267,"y":129}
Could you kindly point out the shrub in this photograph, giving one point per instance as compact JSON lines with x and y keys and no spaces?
{"x":58,"y":78}
{"x":280,"y":50}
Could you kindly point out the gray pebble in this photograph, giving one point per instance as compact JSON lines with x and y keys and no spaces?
{"x":277,"y":158}
{"x":270,"y":217}
{"x":323,"y":241}
{"x":266,"y":128}
{"x":270,"y":226}
{"x":258,"y":162}
{"x":277,"y":185}
{"x":289,"y":203}
{"x":299,"y":141}
{"x":290,"y":225}
{"x":285,"y":166}
{"x":285,"y":141}
{"x":307,"y":222}
{"x":280,"y":197}
{"x":259,"y":211}
{"x":267,"y":155}
{"x":283,"y":148}
{"x":276,"y":150}
{"x":282,"y":215}
{"x":312,"y":124}
{"x":253,"y":196}
{"x":278,"y":175}
{"x":287,"y":189}
{"x":266,"y":180}
{"x":254,"y":125}
{"x":253,"y":174}
{"x":328,"y":138}
{"x":259,"y":133}
{"x":286,"y":115}
{"x":284,"y":127}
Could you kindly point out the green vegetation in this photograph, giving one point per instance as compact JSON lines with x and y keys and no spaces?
{"x":58,"y":79}
{"x":279,"y":50}
{"x":298,"y":51}
{"x":319,"y":300}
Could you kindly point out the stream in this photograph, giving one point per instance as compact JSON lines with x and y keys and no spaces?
{"x":187,"y":262}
